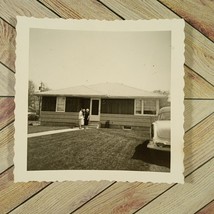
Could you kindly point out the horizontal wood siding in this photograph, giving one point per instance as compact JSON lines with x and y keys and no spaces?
{"x":127,"y":120}
{"x":59,"y":118}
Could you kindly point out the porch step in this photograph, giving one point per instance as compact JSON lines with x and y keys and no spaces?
{"x":93,"y":125}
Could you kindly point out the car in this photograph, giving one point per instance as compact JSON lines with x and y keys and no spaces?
{"x":160,"y":131}
{"x":32,"y":116}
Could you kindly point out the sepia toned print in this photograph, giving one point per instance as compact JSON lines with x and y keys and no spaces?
{"x":99,"y":101}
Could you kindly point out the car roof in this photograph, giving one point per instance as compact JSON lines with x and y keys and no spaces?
{"x":164,"y":109}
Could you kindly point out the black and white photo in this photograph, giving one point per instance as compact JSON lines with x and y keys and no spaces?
{"x":99,"y":100}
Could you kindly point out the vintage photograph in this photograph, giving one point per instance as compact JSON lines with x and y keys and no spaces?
{"x":99,"y":98}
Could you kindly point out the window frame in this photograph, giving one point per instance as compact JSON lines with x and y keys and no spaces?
{"x":44,"y":108}
{"x":142,"y":108}
{"x":57,"y":102}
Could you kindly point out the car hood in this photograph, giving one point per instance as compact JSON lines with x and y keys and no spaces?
{"x":163,"y":129}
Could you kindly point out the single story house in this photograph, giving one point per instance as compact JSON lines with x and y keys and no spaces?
{"x":110,"y":104}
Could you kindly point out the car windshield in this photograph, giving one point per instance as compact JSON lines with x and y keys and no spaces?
{"x":164,"y":116}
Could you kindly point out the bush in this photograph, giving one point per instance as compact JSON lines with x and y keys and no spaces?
{"x":33,"y":117}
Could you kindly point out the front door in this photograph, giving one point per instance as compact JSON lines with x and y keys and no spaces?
{"x":95,"y":109}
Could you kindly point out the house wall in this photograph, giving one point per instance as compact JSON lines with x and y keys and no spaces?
{"x":121,"y":120}
{"x":59,"y":118}
{"x":115,"y":120}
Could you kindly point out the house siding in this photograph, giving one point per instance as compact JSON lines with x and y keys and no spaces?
{"x":121,"y":120}
{"x":113,"y":120}
{"x":59,"y":118}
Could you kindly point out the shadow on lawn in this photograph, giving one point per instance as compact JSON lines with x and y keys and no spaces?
{"x":160,"y":158}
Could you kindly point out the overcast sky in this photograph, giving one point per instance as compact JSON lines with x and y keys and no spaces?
{"x":62,"y":59}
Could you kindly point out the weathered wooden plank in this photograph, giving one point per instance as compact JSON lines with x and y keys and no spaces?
{"x":115,"y":192}
{"x":70,"y":194}
{"x":204,"y":10}
{"x":85,"y":9}
{"x":7,"y":106}
{"x":123,"y":198}
{"x":194,"y":194}
{"x":7,"y":81}
{"x":10,"y":9}
{"x":7,"y":44}
{"x":6,"y":147}
{"x":196,"y":110}
{"x":195,"y":86}
{"x":198,"y":49}
{"x":12,"y":194}
{"x":209,"y":208}
{"x":198,"y":146}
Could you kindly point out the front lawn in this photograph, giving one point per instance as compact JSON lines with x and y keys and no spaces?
{"x":97,"y":149}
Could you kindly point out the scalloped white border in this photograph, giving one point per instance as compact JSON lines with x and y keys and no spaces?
{"x":176,"y":26}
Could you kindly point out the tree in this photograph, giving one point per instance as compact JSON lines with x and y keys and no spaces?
{"x":31,"y":96}
{"x":34,"y":100}
{"x":166,"y":100}
{"x":43,"y":87}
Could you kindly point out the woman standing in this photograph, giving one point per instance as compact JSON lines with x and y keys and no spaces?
{"x":81,"y":118}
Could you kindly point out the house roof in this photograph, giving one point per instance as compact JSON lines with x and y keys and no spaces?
{"x":109,"y":90}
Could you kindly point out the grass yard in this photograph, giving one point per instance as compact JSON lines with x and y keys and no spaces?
{"x":91,"y":149}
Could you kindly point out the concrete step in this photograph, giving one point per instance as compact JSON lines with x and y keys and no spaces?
{"x":94,"y":125}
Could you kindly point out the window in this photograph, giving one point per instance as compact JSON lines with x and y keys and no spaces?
{"x":48,"y":103}
{"x":117,"y":106}
{"x":60,"y":104}
{"x":138,"y":107}
{"x":149,"y":106}
{"x":74,"y":104}
{"x":146,"y":106}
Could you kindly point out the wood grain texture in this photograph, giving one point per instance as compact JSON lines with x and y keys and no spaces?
{"x":92,"y":197}
{"x":7,"y":106}
{"x":123,"y":198}
{"x":7,"y":44}
{"x":195,"y":111}
{"x":7,"y":81}
{"x":70,"y":194}
{"x":209,"y":208}
{"x":188,"y":10}
{"x":198,"y":144}
{"x":198,"y":49}
{"x":196,"y":87}
{"x":6,"y":147}
{"x":82,"y":9}
{"x":187,"y":198}
{"x":12,"y":194}
{"x":10,"y":9}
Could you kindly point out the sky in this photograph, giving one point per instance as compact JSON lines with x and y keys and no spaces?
{"x":66,"y":58}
